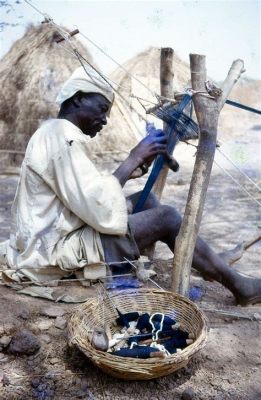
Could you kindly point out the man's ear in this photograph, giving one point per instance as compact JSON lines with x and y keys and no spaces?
{"x":77,"y":100}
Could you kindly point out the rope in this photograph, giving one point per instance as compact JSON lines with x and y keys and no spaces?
{"x":44,"y":283}
{"x":150,"y":279}
{"x":242,"y":172}
{"x":66,"y":37}
{"x":46,"y":16}
{"x":12,"y":151}
{"x":119,"y":65}
{"x":227,"y":173}
{"x":79,"y":56}
{"x":237,"y":183}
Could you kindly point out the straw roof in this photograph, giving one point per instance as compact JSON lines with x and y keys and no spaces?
{"x":145,"y":66}
{"x":144,"y":81}
{"x":31,"y":74}
{"x":34,"y":69}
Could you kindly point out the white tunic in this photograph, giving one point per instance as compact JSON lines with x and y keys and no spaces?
{"x":59,"y":191}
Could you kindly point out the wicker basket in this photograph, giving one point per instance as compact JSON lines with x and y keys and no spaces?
{"x":97,"y":313}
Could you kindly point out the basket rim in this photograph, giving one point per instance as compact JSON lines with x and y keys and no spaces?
{"x":104,"y":358}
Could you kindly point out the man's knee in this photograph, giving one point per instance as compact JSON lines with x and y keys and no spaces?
{"x":170,"y":217}
{"x":151,"y":201}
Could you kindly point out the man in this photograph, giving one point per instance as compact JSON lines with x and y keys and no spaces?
{"x":68,"y":215}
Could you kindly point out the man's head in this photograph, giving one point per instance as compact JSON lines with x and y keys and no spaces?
{"x":86,"y":110}
{"x":86,"y":100}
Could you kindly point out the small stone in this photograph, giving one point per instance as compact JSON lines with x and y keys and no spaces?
{"x":76,"y":381}
{"x":44,"y":325}
{"x":50,"y":375}
{"x":38,"y":370}
{"x":53,"y":311}
{"x":257,"y":317}
{"x":46,"y":339}
{"x":60,"y":323}
{"x":53,"y":375}
{"x":42,"y":387}
{"x":84,"y":386}
{"x":35,"y":382}
{"x":3,"y":357}
{"x":188,"y":394}
{"x":4,"y":341}
{"x":24,"y":314}
{"x":24,"y":342}
{"x":54,"y":360}
{"x":5,"y":380}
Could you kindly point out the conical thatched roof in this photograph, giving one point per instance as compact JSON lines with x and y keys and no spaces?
{"x":146,"y":66}
{"x":33,"y":71}
{"x":31,"y":74}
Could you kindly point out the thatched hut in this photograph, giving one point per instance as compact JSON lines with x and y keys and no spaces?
{"x":31,"y":74}
{"x":145,"y":66}
{"x":34,"y":69}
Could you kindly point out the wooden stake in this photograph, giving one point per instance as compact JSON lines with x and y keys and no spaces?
{"x":166,"y":90}
{"x":207,"y":112}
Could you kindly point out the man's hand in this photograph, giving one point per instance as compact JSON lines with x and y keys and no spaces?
{"x":153,"y":144}
{"x":144,"y":153}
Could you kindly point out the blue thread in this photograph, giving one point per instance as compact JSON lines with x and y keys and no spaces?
{"x":239,"y":105}
{"x":177,"y":123}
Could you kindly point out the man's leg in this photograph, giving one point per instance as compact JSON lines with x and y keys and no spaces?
{"x":163,"y":223}
{"x":151,"y":201}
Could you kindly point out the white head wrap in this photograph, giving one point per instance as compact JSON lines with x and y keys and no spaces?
{"x":85,"y":80}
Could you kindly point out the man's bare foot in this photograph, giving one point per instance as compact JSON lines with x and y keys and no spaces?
{"x":249,"y":291}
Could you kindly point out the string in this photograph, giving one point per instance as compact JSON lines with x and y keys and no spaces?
{"x":238,"y":184}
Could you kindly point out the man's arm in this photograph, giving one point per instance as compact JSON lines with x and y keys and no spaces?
{"x":145,"y":152}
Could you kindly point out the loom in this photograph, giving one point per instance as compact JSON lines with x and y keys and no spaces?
{"x":179,"y":126}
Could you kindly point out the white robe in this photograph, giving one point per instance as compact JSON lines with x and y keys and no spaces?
{"x":59,"y":191}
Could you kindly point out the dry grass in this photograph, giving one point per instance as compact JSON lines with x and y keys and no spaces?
{"x":34,"y":69}
{"x":31,"y":74}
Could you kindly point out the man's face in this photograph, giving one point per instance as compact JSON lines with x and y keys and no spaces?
{"x":92,"y":113}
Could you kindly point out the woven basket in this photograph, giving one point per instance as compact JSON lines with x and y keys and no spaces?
{"x":97,"y":313}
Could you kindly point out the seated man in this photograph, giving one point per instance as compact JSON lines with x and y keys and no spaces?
{"x":67,"y":216}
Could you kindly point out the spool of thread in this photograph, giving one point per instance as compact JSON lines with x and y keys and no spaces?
{"x":125,"y":319}
{"x":139,"y":352}
{"x":144,"y":322}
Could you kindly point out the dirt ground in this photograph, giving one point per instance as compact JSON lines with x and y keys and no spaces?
{"x":227,"y":368}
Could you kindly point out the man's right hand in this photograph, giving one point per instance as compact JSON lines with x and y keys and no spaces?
{"x":148,"y":148}
{"x":144,"y":153}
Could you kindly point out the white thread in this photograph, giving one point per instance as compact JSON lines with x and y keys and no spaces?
{"x":242,"y":172}
{"x":242,"y":187}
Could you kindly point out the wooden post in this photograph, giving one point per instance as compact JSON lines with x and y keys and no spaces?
{"x":207,"y":111}
{"x":166,"y":90}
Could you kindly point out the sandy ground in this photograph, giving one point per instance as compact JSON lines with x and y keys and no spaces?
{"x":227,"y":368}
